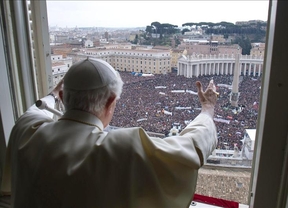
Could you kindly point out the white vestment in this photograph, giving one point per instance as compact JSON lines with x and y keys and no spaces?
{"x":72,"y":162}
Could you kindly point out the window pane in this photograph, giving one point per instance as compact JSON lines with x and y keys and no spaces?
{"x":204,"y":52}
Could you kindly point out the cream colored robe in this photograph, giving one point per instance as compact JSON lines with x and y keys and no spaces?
{"x":69,"y":163}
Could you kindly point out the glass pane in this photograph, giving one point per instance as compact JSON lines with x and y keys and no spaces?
{"x":203,"y":46}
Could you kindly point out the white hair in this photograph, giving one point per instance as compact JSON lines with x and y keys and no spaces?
{"x":94,"y":100}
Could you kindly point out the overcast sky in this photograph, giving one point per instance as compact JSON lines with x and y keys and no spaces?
{"x":142,"y":13}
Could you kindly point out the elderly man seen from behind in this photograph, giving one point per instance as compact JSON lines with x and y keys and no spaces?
{"x":73,"y":162}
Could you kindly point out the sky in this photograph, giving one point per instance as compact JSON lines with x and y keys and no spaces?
{"x":142,"y":13}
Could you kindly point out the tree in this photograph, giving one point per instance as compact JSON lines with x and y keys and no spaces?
{"x":185,"y":30}
{"x":168,"y":28}
{"x":156,"y":27}
{"x":177,"y":41}
{"x":244,"y":43}
{"x":135,"y":39}
{"x":149,"y":29}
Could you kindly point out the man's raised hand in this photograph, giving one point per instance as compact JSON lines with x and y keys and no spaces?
{"x":208,"y":97}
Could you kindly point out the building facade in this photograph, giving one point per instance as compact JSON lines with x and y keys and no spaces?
{"x":60,"y":66}
{"x":131,"y":60}
{"x":223,"y":64}
{"x":258,"y":49}
{"x":208,"y":47}
{"x":175,"y":55}
{"x":88,"y":44}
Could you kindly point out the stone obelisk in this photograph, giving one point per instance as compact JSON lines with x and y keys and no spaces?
{"x":235,"y":84}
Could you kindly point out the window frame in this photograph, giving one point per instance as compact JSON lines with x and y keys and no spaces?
{"x":269,"y":176}
{"x":269,"y":182}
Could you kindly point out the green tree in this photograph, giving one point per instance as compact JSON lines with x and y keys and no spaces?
{"x":135,"y":39}
{"x":168,"y":28}
{"x":177,"y":41}
{"x":185,"y":30}
{"x":244,"y":43}
{"x":156,"y":27}
{"x":149,"y":29}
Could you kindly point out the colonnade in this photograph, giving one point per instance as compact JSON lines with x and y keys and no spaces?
{"x":190,"y":66}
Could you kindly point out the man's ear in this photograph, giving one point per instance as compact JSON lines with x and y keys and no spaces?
{"x":110,"y":101}
{"x":60,"y":93}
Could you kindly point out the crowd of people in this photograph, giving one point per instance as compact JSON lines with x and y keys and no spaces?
{"x":157,"y":103}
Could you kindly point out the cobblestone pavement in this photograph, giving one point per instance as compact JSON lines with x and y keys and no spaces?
{"x":226,"y":183}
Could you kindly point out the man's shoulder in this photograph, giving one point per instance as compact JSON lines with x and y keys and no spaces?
{"x":130,"y":132}
{"x":126,"y":141}
{"x":127,"y":136}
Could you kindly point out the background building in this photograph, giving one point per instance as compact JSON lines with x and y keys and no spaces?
{"x":142,"y":60}
{"x":60,"y":66}
{"x":88,"y":44}
{"x":207,"y":47}
{"x":175,"y":54}
{"x":258,"y":49}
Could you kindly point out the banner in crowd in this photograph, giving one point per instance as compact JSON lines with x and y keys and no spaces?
{"x":222,"y":120}
{"x":166,"y":112}
{"x":147,"y":75}
{"x":182,"y":108}
{"x":136,"y":74}
{"x":178,"y":91}
{"x":192,"y":92}
{"x":224,"y":85}
{"x":142,"y":119}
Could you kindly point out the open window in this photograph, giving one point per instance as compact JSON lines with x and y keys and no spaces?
{"x":25,"y":76}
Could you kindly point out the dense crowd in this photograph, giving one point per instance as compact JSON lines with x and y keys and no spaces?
{"x":148,"y":102}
